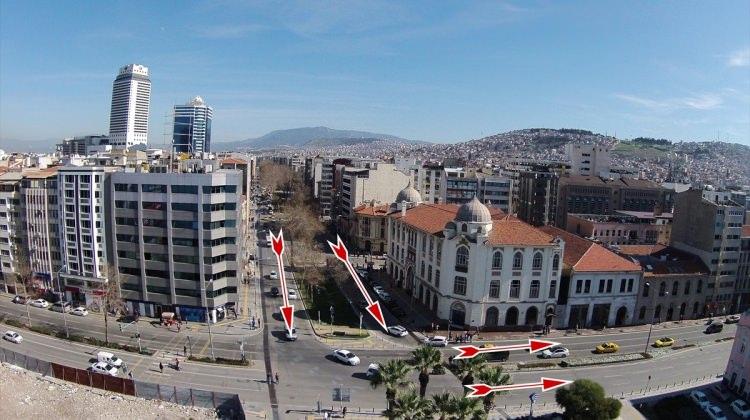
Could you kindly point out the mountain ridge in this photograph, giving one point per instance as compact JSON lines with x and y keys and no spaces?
{"x":304,"y":136}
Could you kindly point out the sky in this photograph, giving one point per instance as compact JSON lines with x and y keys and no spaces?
{"x":441,"y":71}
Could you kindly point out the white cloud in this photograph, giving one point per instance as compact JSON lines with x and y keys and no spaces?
{"x":739,"y":58}
{"x":701,"y":102}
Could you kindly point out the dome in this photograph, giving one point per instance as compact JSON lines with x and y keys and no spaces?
{"x":473,"y":211}
{"x":409,"y":194}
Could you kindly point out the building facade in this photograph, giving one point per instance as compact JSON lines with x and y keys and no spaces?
{"x":737,"y":373}
{"x":742,"y":287}
{"x":370,"y":234}
{"x":623,"y":227}
{"x":41,"y":204}
{"x":537,"y":195}
{"x":84,"y":145}
{"x":131,"y":97}
{"x":191,"y":131}
{"x":11,"y":231}
{"x":588,"y":159}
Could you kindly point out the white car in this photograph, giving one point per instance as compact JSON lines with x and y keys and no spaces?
{"x":385,"y":296}
{"x":372,"y":370}
{"x":436,"y":341}
{"x":397,"y":331}
{"x":80,"y":311}
{"x":555,"y":353}
{"x":741,"y":408}
{"x":715,"y":413}
{"x":700,"y":398}
{"x":291,"y":336}
{"x":273,"y":276}
{"x":293,"y":294}
{"x":104,"y":368}
{"x":39,"y":303}
{"x":346,"y":357}
{"x":378,"y":289}
{"x":13,"y":336}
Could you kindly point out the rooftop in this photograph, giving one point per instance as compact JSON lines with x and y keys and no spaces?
{"x":596,"y":181}
{"x":432,"y":218}
{"x":508,"y":230}
{"x":664,"y":260}
{"x":370,"y":210}
{"x":583,"y":255}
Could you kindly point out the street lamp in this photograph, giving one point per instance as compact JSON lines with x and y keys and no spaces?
{"x":60,"y":296}
{"x":210,"y":337}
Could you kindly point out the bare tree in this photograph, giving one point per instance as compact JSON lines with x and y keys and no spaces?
{"x":23,"y":270}
{"x":112,"y":296}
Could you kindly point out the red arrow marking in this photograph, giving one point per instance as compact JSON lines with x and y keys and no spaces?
{"x":467,"y":352}
{"x":547,"y":384}
{"x":287,"y":311}
{"x":340,"y":251}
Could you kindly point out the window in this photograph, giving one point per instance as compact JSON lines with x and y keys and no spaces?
{"x":184,"y":242}
{"x":462,"y":259}
{"x":185,"y":207}
{"x":609,"y":285}
{"x":459,"y":286}
{"x":556,"y":262}
{"x":675,"y":286}
{"x":623,"y":283}
{"x":219,"y":258}
{"x":126,"y":187}
{"x":497,"y":260}
{"x":534,"y":289}
{"x":646,"y":286}
{"x":188,"y":292}
{"x":642,"y":312}
{"x":518,"y":261}
{"x":687,"y":287}
{"x":153,"y":205}
{"x":663,"y":289}
{"x":128,"y":254}
{"x":515,"y":289}
{"x":184,"y":189}
{"x":220,"y":207}
{"x":699,"y":288}
{"x":494,"y":289}
{"x":157,"y":273}
{"x":184,"y":224}
{"x":187,"y":259}
{"x":182,"y":275}
{"x":229,"y":223}
{"x":217,"y":189}
{"x":160,"y":223}
{"x":536,"y":263}
{"x":579,"y":286}
{"x":553,"y":289}
{"x":153,"y":256}
{"x":154,"y":188}
{"x":154,"y":240}
{"x":157,"y":289}
{"x":437,"y":278}
{"x":587,"y":287}
{"x":601,"y":285}
{"x":630,"y":285}
{"x":219,"y":241}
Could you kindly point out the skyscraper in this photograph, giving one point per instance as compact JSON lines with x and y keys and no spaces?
{"x":192,"y":127}
{"x":131,"y":94}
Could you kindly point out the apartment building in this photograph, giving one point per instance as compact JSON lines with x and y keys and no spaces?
{"x":41,"y":207}
{"x":177,"y":241}
{"x":711,"y":229}
{"x":623,"y":227}
{"x":11,"y":231}
{"x":537,"y":195}
{"x":514,"y":168}
{"x":737,"y":373}
{"x":588,"y":159}
{"x":742,"y":287}
{"x":370,"y":235}
{"x":495,"y":191}
{"x":84,"y":145}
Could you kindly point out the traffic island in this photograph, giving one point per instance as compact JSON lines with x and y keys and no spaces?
{"x":615,"y":358}
{"x":221,"y":361}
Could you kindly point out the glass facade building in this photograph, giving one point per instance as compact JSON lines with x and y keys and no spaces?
{"x":191,"y":133}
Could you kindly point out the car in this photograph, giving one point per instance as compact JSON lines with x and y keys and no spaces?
{"x":372,"y":370}
{"x":378,"y":289}
{"x":109,"y":358}
{"x":273,"y":275}
{"x":61,"y":306}
{"x":720,"y":392}
{"x":716,"y":327}
{"x":346,"y":357}
{"x":13,"y":337}
{"x":700,"y":398}
{"x":39,"y":303}
{"x":19,"y":299}
{"x":291,"y":335}
{"x":732,"y":319}
{"x":274,"y":291}
{"x":79,"y":311}
{"x":715,"y":413}
{"x":664,"y":342}
{"x":555,"y":353}
{"x":362,"y":273}
{"x":495,"y":356}
{"x":104,"y":369}
{"x":293,"y":294}
{"x":741,"y":408}
{"x":607,"y":348}
{"x":385,"y":296}
{"x":397,"y":331}
{"x":436,"y":341}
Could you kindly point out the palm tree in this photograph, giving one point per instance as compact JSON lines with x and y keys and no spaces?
{"x":467,"y":408}
{"x":492,"y":376}
{"x":409,"y":405}
{"x":426,"y":358}
{"x":392,"y":375}
{"x":469,"y":368}
{"x":443,"y":405}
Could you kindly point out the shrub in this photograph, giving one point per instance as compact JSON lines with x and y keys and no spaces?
{"x":536,"y":365}
{"x":220,"y":360}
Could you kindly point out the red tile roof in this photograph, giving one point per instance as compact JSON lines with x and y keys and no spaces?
{"x":36,"y":173}
{"x":586,"y":256}
{"x":508,"y":230}
{"x":641,"y":249}
{"x":430,"y":218}
{"x":233,"y":161}
{"x":368,"y":210}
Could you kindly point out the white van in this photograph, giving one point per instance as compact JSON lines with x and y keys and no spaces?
{"x":109,"y":358}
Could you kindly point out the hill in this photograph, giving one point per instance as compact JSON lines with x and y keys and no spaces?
{"x":307,"y":136}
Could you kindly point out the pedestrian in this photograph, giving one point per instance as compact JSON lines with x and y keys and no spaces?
{"x":130,"y":375}
{"x":343,"y":412}
{"x":276,"y":376}
{"x":161,"y":367}
{"x":176,"y":364}
{"x":184,"y":351}
{"x":325,"y":415}
{"x":269,"y":378}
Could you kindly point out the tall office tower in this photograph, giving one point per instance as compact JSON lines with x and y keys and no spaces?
{"x":192,"y":127}
{"x":131,"y":94}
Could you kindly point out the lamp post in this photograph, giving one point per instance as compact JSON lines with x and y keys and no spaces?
{"x":210,"y":337}
{"x":60,"y":296}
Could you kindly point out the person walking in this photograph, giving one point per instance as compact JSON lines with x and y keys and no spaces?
{"x":343,"y":412}
{"x":130,"y":375}
{"x":269,"y":378}
{"x":276,"y":376}
{"x":161,"y":367}
{"x":177,"y":364}
{"x":184,"y":351}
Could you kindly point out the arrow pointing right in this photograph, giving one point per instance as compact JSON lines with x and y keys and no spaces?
{"x":467,"y":352}
{"x":547,"y":384}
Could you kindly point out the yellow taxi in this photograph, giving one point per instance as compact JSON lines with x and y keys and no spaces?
{"x":664,"y":342}
{"x":607,"y":348}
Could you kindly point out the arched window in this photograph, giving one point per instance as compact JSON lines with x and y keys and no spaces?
{"x":700,"y":287}
{"x":534,"y":289}
{"x":536,"y":263}
{"x":556,"y":262}
{"x":463,"y":227}
{"x":642,"y":312}
{"x":518,"y":260}
{"x":491,"y":318}
{"x":531,"y":316}
{"x":511,"y":316}
{"x":497,"y":260}
{"x":675,"y":288}
{"x":462,"y":259}
{"x":646,"y":286}
{"x":657,"y":313}
{"x":687,"y":287}
{"x":695,"y":308}
{"x":494,"y":289}
{"x":515,"y":289}
{"x":663,"y":288}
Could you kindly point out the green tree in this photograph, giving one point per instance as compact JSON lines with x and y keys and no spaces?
{"x":467,"y":408}
{"x":468,"y":369}
{"x":409,"y":405}
{"x":425,"y":358}
{"x":392,"y":375}
{"x":492,"y":376}
{"x":443,"y":405}
{"x":585,"y":399}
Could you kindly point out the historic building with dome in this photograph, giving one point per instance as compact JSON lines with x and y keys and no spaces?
{"x":473,"y":265}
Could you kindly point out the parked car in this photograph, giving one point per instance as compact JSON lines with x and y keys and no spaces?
{"x":385,"y":296}
{"x":378,"y":289}
{"x":273,"y":275}
{"x":79,"y":311}
{"x":346,"y":357}
{"x":13,"y":337}
{"x":732,"y":319}
{"x":293,"y":294}
{"x":495,"y":356}
{"x":291,"y":336}
{"x":664,"y":342}
{"x":555,"y":353}
{"x":104,"y":368}
{"x":61,"y":306}
{"x":607,"y":348}
{"x":715,"y":413}
{"x":19,"y":299}
{"x":397,"y":331}
{"x":700,"y":398}
{"x":715,"y":327}
{"x":109,"y":358}
{"x":362,"y":273}
{"x":436,"y":341}
{"x":39,"y":303}
{"x":721,"y":393}
{"x":274,"y":291}
{"x":741,"y":408}
{"x":372,"y":370}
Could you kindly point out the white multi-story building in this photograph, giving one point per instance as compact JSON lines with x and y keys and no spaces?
{"x":472,"y":265}
{"x":11,"y":234}
{"x":602,"y":287}
{"x":496,"y":191}
{"x":41,"y":207}
{"x":588,"y":159}
{"x":131,"y":96}
{"x":380,"y":182}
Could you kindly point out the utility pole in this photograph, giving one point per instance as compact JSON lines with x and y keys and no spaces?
{"x":210,"y":337}
{"x":60,"y":297}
